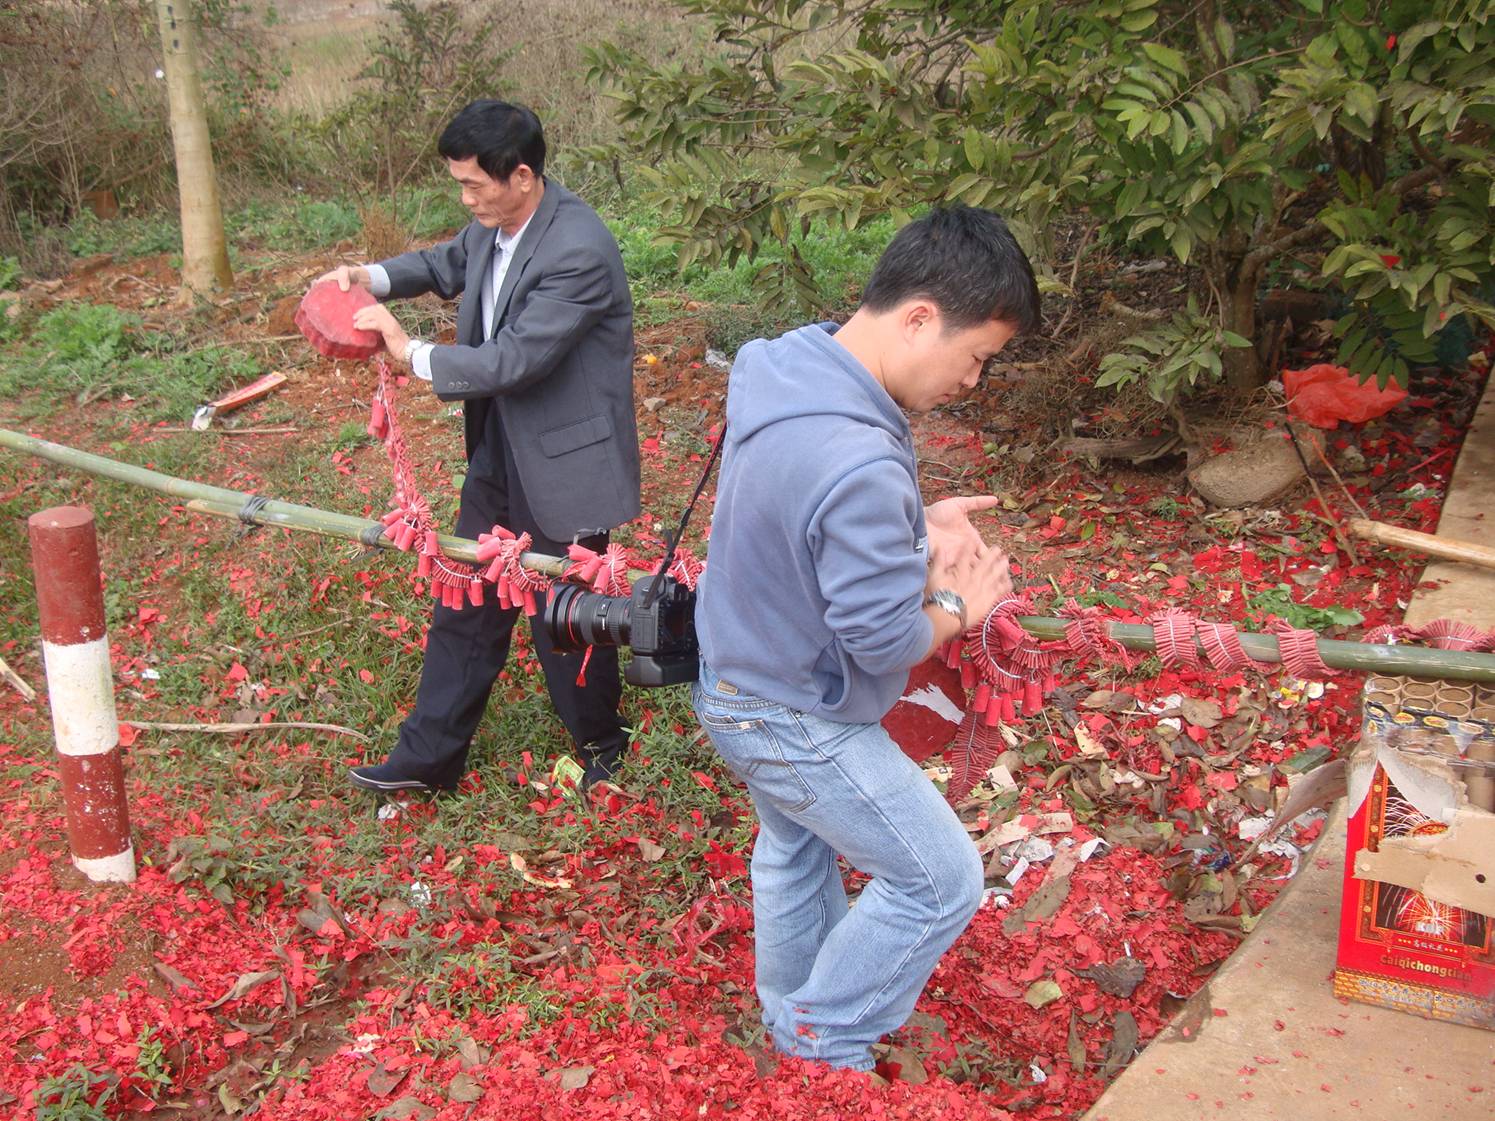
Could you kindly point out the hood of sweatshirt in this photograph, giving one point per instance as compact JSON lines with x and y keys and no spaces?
{"x":804,"y":374}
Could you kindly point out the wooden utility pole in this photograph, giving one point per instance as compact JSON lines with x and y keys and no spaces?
{"x":204,"y":249}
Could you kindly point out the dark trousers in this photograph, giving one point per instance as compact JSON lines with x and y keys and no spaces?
{"x":465,"y":650}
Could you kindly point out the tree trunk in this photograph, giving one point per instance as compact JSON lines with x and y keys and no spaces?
{"x":204,"y":249}
{"x":1242,"y":367}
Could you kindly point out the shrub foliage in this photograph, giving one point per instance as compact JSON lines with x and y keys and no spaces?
{"x":1239,"y":138}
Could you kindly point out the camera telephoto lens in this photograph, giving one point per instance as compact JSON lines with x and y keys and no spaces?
{"x":577,"y":618}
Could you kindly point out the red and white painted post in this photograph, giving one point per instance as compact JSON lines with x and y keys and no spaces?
{"x":65,"y":555}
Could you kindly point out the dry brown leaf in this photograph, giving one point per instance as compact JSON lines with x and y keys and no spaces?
{"x":245,"y":983}
{"x":463,"y":1088}
{"x":381,"y":1083}
{"x":1199,"y":712}
{"x":1123,"y":1043}
{"x":520,"y":865}
{"x":1090,"y":747}
{"x":649,"y":850}
{"x":575,"y":1078}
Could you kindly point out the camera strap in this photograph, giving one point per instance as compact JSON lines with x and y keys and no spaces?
{"x":673,"y":541}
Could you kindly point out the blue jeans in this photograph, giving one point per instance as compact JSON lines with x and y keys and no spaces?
{"x":833,"y":980}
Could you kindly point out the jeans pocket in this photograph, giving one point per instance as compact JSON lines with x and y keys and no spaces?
{"x":750,"y":747}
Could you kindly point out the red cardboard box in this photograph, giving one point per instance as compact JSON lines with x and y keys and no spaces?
{"x":1416,"y":924}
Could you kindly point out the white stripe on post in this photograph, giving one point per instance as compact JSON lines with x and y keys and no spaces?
{"x":81,"y":685}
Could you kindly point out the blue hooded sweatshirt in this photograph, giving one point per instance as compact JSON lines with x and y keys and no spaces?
{"x":815,"y":570}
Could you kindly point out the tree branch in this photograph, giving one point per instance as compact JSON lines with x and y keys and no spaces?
{"x":1263,"y":253}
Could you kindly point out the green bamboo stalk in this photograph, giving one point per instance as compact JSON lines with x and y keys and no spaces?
{"x":1414,"y":661}
{"x":325,"y":523}
{"x":1362,"y":657}
{"x":222,"y":502}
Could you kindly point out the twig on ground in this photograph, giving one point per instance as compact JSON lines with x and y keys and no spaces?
{"x":1074,"y":274}
{"x":17,"y":682}
{"x":339,"y":621}
{"x":234,"y":729}
{"x":1329,"y":519}
{"x":281,"y":430}
{"x":1319,"y":451}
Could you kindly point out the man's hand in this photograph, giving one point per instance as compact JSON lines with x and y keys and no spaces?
{"x":377,"y":317}
{"x":983,"y":583}
{"x":981,"y":579}
{"x":953,"y":540}
{"x":346,"y":276}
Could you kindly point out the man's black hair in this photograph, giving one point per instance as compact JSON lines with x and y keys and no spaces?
{"x":964,"y":260}
{"x":501,"y":136}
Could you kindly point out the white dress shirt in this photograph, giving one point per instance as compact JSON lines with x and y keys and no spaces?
{"x":419,"y":351}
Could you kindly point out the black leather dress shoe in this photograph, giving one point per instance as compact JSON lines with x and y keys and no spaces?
{"x":599,"y":766}
{"x":387,"y":778}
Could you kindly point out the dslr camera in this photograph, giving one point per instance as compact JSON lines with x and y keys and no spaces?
{"x":659,"y":628}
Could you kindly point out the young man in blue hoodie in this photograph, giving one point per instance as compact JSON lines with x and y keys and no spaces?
{"x":827,"y":580}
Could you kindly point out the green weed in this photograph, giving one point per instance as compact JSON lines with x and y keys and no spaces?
{"x":214,"y":862}
{"x":81,"y":351}
{"x":76,"y":1095}
{"x":152,"y":1071}
{"x":127,"y":236}
{"x":733,"y":314}
{"x":1279,"y":601}
{"x":297,"y":224}
{"x":351,"y":435}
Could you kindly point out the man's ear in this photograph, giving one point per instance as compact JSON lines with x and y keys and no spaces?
{"x":918,"y":317}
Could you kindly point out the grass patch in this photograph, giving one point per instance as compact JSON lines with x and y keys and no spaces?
{"x":841,"y":262}
{"x":79,"y":352}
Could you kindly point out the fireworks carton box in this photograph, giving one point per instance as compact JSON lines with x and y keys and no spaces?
{"x":1419,"y":889}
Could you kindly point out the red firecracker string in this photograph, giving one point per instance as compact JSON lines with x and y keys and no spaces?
{"x":605,"y":572}
{"x":1446,"y":634}
{"x":686,"y":568}
{"x":411,"y":525}
{"x":1007,"y":670}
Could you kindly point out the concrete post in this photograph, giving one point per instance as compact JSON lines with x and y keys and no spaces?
{"x":80,"y":684}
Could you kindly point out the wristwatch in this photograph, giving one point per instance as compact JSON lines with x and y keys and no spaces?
{"x":946,"y":600}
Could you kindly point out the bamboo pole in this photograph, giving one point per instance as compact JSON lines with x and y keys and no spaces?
{"x":224,"y":503}
{"x":328,"y":524}
{"x":1446,"y":548}
{"x":1415,"y":661}
{"x":1362,"y":657}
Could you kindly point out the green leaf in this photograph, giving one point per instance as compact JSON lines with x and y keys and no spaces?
{"x":1131,"y":196}
{"x":1201,"y":120}
{"x":1225,"y":36}
{"x":1182,"y":243}
{"x":961,"y":184}
{"x":1167,"y":56}
{"x":975,"y":149}
{"x":1305,"y":761}
{"x":1180,"y":133}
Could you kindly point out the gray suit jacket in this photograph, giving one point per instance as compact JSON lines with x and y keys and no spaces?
{"x":559,"y":367}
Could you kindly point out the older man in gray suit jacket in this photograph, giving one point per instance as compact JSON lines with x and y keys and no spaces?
{"x":543,"y":363}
